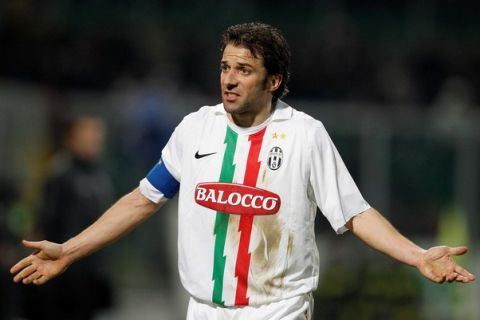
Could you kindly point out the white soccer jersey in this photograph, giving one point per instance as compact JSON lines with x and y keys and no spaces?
{"x":247,"y":203}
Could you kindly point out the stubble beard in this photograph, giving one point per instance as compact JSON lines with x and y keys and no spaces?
{"x":245,"y":106}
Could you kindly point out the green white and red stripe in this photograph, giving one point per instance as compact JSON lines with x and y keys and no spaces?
{"x":221,"y":220}
{"x":245,"y":225}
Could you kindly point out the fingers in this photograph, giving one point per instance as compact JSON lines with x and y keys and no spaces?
{"x":460,"y":278}
{"x":29,"y":272}
{"x":34,"y":245}
{"x":24,"y":273}
{"x":464,"y":274}
{"x":22,"y":264}
{"x":457,"y":251}
{"x":40,"y":280}
{"x":26,"y":261}
{"x":437,"y":278}
{"x":32,"y":278}
{"x":463,"y":279}
{"x":450,"y":277}
{"x":455,"y":274}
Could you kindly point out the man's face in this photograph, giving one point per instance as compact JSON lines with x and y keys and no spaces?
{"x":244,"y":82}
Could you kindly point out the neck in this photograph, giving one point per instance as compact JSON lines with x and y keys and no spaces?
{"x":251,"y":119}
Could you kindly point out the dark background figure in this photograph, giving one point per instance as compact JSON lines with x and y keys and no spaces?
{"x":9,"y":294}
{"x":76,"y":192}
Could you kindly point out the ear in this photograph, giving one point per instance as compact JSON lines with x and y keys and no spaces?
{"x":274,"y":82}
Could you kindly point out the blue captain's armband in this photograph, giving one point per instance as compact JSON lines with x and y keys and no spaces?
{"x":163,"y":181}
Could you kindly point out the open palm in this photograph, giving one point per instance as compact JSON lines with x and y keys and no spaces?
{"x":42,"y":265}
{"x":437,"y":265}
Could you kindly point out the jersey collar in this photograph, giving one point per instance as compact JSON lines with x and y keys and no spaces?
{"x":282,"y":111}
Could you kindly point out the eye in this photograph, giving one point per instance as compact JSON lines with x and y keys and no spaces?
{"x":224,"y":68}
{"x":245,"y":71}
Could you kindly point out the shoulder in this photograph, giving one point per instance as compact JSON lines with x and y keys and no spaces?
{"x":203,"y":113}
{"x":200,"y":116}
{"x":309,"y":130}
{"x":305,"y":122}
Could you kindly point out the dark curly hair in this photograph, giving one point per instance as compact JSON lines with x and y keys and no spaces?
{"x":266,"y":42}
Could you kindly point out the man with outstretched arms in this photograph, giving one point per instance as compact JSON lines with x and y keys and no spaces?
{"x":250,"y":173}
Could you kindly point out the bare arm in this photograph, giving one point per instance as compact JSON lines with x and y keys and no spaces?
{"x":435,"y":263}
{"x":51,"y":259}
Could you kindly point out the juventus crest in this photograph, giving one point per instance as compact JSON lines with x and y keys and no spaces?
{"x":275,"y":157}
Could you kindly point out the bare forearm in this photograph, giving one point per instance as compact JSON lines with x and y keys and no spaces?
{"x":127,"y":213}
{"x":378,"y":233}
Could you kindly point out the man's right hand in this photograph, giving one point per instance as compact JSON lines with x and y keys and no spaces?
{"x":45,"y":263}
{"x":49,"y":259}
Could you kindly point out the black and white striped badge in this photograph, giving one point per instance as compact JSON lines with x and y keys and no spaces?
{"x":275,"y":157}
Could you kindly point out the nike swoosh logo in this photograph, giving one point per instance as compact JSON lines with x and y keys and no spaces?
{"x":199,"y":156}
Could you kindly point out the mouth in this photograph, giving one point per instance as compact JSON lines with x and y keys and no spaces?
{"x":230,"y":96}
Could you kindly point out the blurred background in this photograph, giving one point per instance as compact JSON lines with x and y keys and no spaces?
{"x":91,"y":90}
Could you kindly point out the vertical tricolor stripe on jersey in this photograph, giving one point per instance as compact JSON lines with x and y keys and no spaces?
{"x":242,"y":264}
{"x":221,"y":219}
{"x":246,"y":221}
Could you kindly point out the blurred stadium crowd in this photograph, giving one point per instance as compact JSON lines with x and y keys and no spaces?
{"x":397,"y":84}
{"x":395,"y":52}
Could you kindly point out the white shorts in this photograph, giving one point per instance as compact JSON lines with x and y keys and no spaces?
{"x":295,"y":308}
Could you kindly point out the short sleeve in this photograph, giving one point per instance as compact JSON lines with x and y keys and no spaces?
{"x":335,"y":192}
{"x":163,"y":180}
{"x":159,"y":184}
{"x":172,"y":153}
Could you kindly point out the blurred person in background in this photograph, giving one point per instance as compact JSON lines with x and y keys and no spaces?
{"x":9,"y":295}
{"x":250,"y":173}
{"x":76,"y":191}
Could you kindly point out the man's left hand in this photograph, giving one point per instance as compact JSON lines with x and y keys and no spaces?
{"x":437,"y":265}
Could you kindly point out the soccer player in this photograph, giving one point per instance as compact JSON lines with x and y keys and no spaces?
{"x":250,"y":173}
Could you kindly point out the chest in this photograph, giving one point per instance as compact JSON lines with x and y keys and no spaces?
{"x":273,"y":154}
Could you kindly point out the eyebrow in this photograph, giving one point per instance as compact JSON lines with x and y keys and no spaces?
{"x":244,"y":65}
{"x":239,"y":63}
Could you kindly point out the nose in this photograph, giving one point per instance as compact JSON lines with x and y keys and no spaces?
{"x":231,"y":86}
{"x":230,"y":79}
